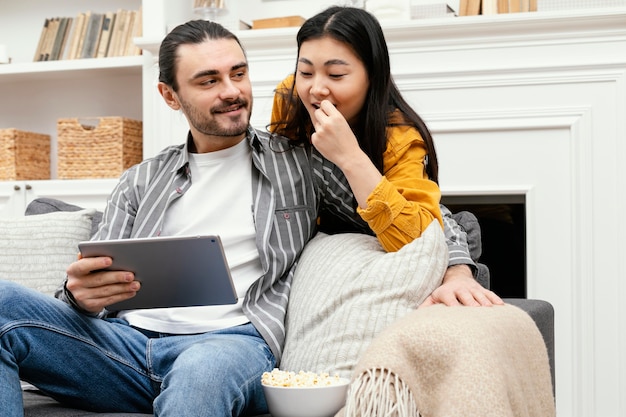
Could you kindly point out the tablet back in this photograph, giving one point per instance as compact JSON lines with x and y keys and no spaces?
{"x":174,"y":271}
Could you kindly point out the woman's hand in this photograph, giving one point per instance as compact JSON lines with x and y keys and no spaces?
{"x":93,"y":289}
{"x":460,"y":288}
{"x":334,"y":139}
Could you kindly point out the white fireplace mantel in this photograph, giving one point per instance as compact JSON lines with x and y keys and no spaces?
{"x":529,"y":105}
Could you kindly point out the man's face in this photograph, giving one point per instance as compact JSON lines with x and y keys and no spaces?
{"x":214,"y":92}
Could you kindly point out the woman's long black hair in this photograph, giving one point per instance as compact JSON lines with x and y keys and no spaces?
{"x":362,"y":32}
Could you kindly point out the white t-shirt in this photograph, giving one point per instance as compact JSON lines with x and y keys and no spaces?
{"x":226,"y":174}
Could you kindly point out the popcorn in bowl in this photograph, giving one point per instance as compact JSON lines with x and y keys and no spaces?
{"x":303,"y":394}
{"x":302,"y":379}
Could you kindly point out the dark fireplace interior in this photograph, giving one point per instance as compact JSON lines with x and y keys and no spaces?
{"x":503,"y":226}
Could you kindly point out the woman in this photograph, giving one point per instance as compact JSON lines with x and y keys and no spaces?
{"x":343,"y":101}
{"x":346,"y":105}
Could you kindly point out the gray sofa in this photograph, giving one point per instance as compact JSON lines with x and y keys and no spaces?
{"x":37,"y":404}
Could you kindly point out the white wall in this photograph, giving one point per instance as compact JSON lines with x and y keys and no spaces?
{"x":248,"y":10}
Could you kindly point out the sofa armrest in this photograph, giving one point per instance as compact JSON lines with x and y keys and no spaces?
{"x":542,"y":313}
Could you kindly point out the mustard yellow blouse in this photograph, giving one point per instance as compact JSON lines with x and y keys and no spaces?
{"x":405,"y":201}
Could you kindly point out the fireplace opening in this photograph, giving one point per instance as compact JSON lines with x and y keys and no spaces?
{"x":503,"y":229}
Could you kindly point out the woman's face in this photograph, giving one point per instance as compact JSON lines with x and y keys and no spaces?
{"x":330,"y":70}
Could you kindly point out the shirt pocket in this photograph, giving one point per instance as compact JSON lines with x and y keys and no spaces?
{"x":295,"y":223}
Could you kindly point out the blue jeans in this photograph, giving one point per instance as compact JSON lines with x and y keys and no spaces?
{"x":108,"y":366}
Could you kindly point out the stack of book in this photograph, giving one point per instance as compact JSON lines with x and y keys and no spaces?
{"x":90,"y":35}
{"x":476,"y":7}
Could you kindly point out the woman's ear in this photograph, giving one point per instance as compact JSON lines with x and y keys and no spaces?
{"x":169,"y":95}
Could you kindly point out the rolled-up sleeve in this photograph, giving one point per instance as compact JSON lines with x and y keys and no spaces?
{"x":405,"y":202}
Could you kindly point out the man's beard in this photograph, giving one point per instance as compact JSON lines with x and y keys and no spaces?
{"x":209,"y":125}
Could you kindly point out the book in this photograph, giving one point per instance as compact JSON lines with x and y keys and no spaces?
{"x":278,"y":22}
{"x":107,"y":27}
{"x":137,"y":31}
{"x":489,"y":7}
{"x":117,"y":32}
{"x":66,"y":39}
{"x":81,"y":36}
{"x":469,"y":7}
{"x":125,"y":33}
{"x":92,"y":35}
{"x":516,"y":6}
{"x":51,"y":33}
{"x":525,"y":5}
{"x":77,"y":27}
{"x":60,"y":39}
{"x":503,"y":6}
{"x":127,"y":43}
{"x":42,"y":40}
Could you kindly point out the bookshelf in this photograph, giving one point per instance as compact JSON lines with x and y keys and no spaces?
{"x":37,"y":94}
{"x":42,"y":92}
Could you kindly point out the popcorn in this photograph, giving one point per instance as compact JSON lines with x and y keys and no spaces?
{"x":278,"y":378}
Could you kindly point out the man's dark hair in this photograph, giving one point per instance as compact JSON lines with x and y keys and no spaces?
{"x":192,"y":32}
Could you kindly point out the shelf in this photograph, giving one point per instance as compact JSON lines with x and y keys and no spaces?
{"x":70,"y":69}
{"x":446,"y":31}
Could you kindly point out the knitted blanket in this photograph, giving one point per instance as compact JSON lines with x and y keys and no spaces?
{"x":443,"y":361}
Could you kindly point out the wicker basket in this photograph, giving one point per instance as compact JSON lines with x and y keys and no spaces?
{"x":102,"y":150}
{"x":24,"y":155}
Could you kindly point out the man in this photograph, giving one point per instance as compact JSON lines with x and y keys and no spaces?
{"x":259,"y":195}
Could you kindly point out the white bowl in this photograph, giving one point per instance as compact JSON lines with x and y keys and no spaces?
{"x":320,"y":401}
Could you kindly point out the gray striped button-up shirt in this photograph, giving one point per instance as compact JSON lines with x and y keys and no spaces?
{"x":288,"y":186}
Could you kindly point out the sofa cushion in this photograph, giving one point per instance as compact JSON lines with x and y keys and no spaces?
{"x":36,"y":250}
{"x":346,"y":289}
{"x":37,"y":404}
{"x":44,"y":205}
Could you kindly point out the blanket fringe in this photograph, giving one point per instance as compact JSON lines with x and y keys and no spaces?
{"x":380,"y":393}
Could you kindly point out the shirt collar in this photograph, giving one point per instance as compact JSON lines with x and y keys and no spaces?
{"x":253,"y":139}
{"x":183,"y":158}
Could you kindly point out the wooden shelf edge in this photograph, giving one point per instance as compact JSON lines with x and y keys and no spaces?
{"x":27,"y":71}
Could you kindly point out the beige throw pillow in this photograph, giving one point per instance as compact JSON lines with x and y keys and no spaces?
{"x":346,"y":289}
{"x":36,"y":250}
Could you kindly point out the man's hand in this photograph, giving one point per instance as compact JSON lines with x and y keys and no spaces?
{"x":94,"y":289}
{"x":460,"y":288}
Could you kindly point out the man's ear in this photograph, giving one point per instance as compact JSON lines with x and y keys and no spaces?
{"x":169,"y":95}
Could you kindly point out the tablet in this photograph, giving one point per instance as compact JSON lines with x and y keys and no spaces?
{"x":174,"y":271}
